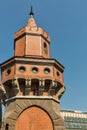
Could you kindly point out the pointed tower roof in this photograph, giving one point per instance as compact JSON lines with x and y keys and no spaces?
{"x":31,"y":40}
{"x":31,"y":22}
{"x":31,"y":28}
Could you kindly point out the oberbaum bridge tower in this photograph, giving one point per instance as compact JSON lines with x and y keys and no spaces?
{"x":32,"y":83}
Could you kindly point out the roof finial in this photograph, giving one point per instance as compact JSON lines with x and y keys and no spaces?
{"x":31,"y":12}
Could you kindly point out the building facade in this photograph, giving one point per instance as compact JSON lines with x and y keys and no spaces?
{"x":75,"y":120}
{"x":32,"y":83}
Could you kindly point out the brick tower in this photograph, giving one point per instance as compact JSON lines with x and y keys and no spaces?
{"x":33,"y":82}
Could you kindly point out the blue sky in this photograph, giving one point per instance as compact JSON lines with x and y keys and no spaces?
{"x":66,"y":23}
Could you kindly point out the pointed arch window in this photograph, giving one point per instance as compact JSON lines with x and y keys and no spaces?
{"x":45,"y":48}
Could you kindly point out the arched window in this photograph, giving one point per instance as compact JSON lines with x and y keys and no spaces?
{"x":45,"y":48}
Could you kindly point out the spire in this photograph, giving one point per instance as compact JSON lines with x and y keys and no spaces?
{"x":31,"y":12}
{"x":31,"y":21}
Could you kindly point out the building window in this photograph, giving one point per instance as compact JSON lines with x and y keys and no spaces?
{"x":22,"y":69}
{"x":57,"y":73}
{"x":8,"y":72}
{"x":45,"y":48}
{"x":34,"y":69}
{"x":46,"y":70}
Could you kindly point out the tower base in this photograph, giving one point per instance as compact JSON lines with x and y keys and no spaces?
{"x":33,"y":113}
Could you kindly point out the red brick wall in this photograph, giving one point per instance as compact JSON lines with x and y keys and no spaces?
{"x":20,"y":47}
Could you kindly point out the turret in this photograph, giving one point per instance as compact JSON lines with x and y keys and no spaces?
{"x":31,"y":71}
{"x":33,"y":82}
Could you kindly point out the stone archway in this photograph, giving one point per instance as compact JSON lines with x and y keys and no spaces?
{"x":34,"y":118}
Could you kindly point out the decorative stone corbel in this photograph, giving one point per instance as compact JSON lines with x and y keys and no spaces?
{"x":52,"y":87}
{"x":60,"y":92}
{"x":28,"y":82}
{"x":16,"y":87}
{"x":3,"y":95}
{"x":27,"y":86}
{"x":41,"y":86}
{"x":54,"y":83}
